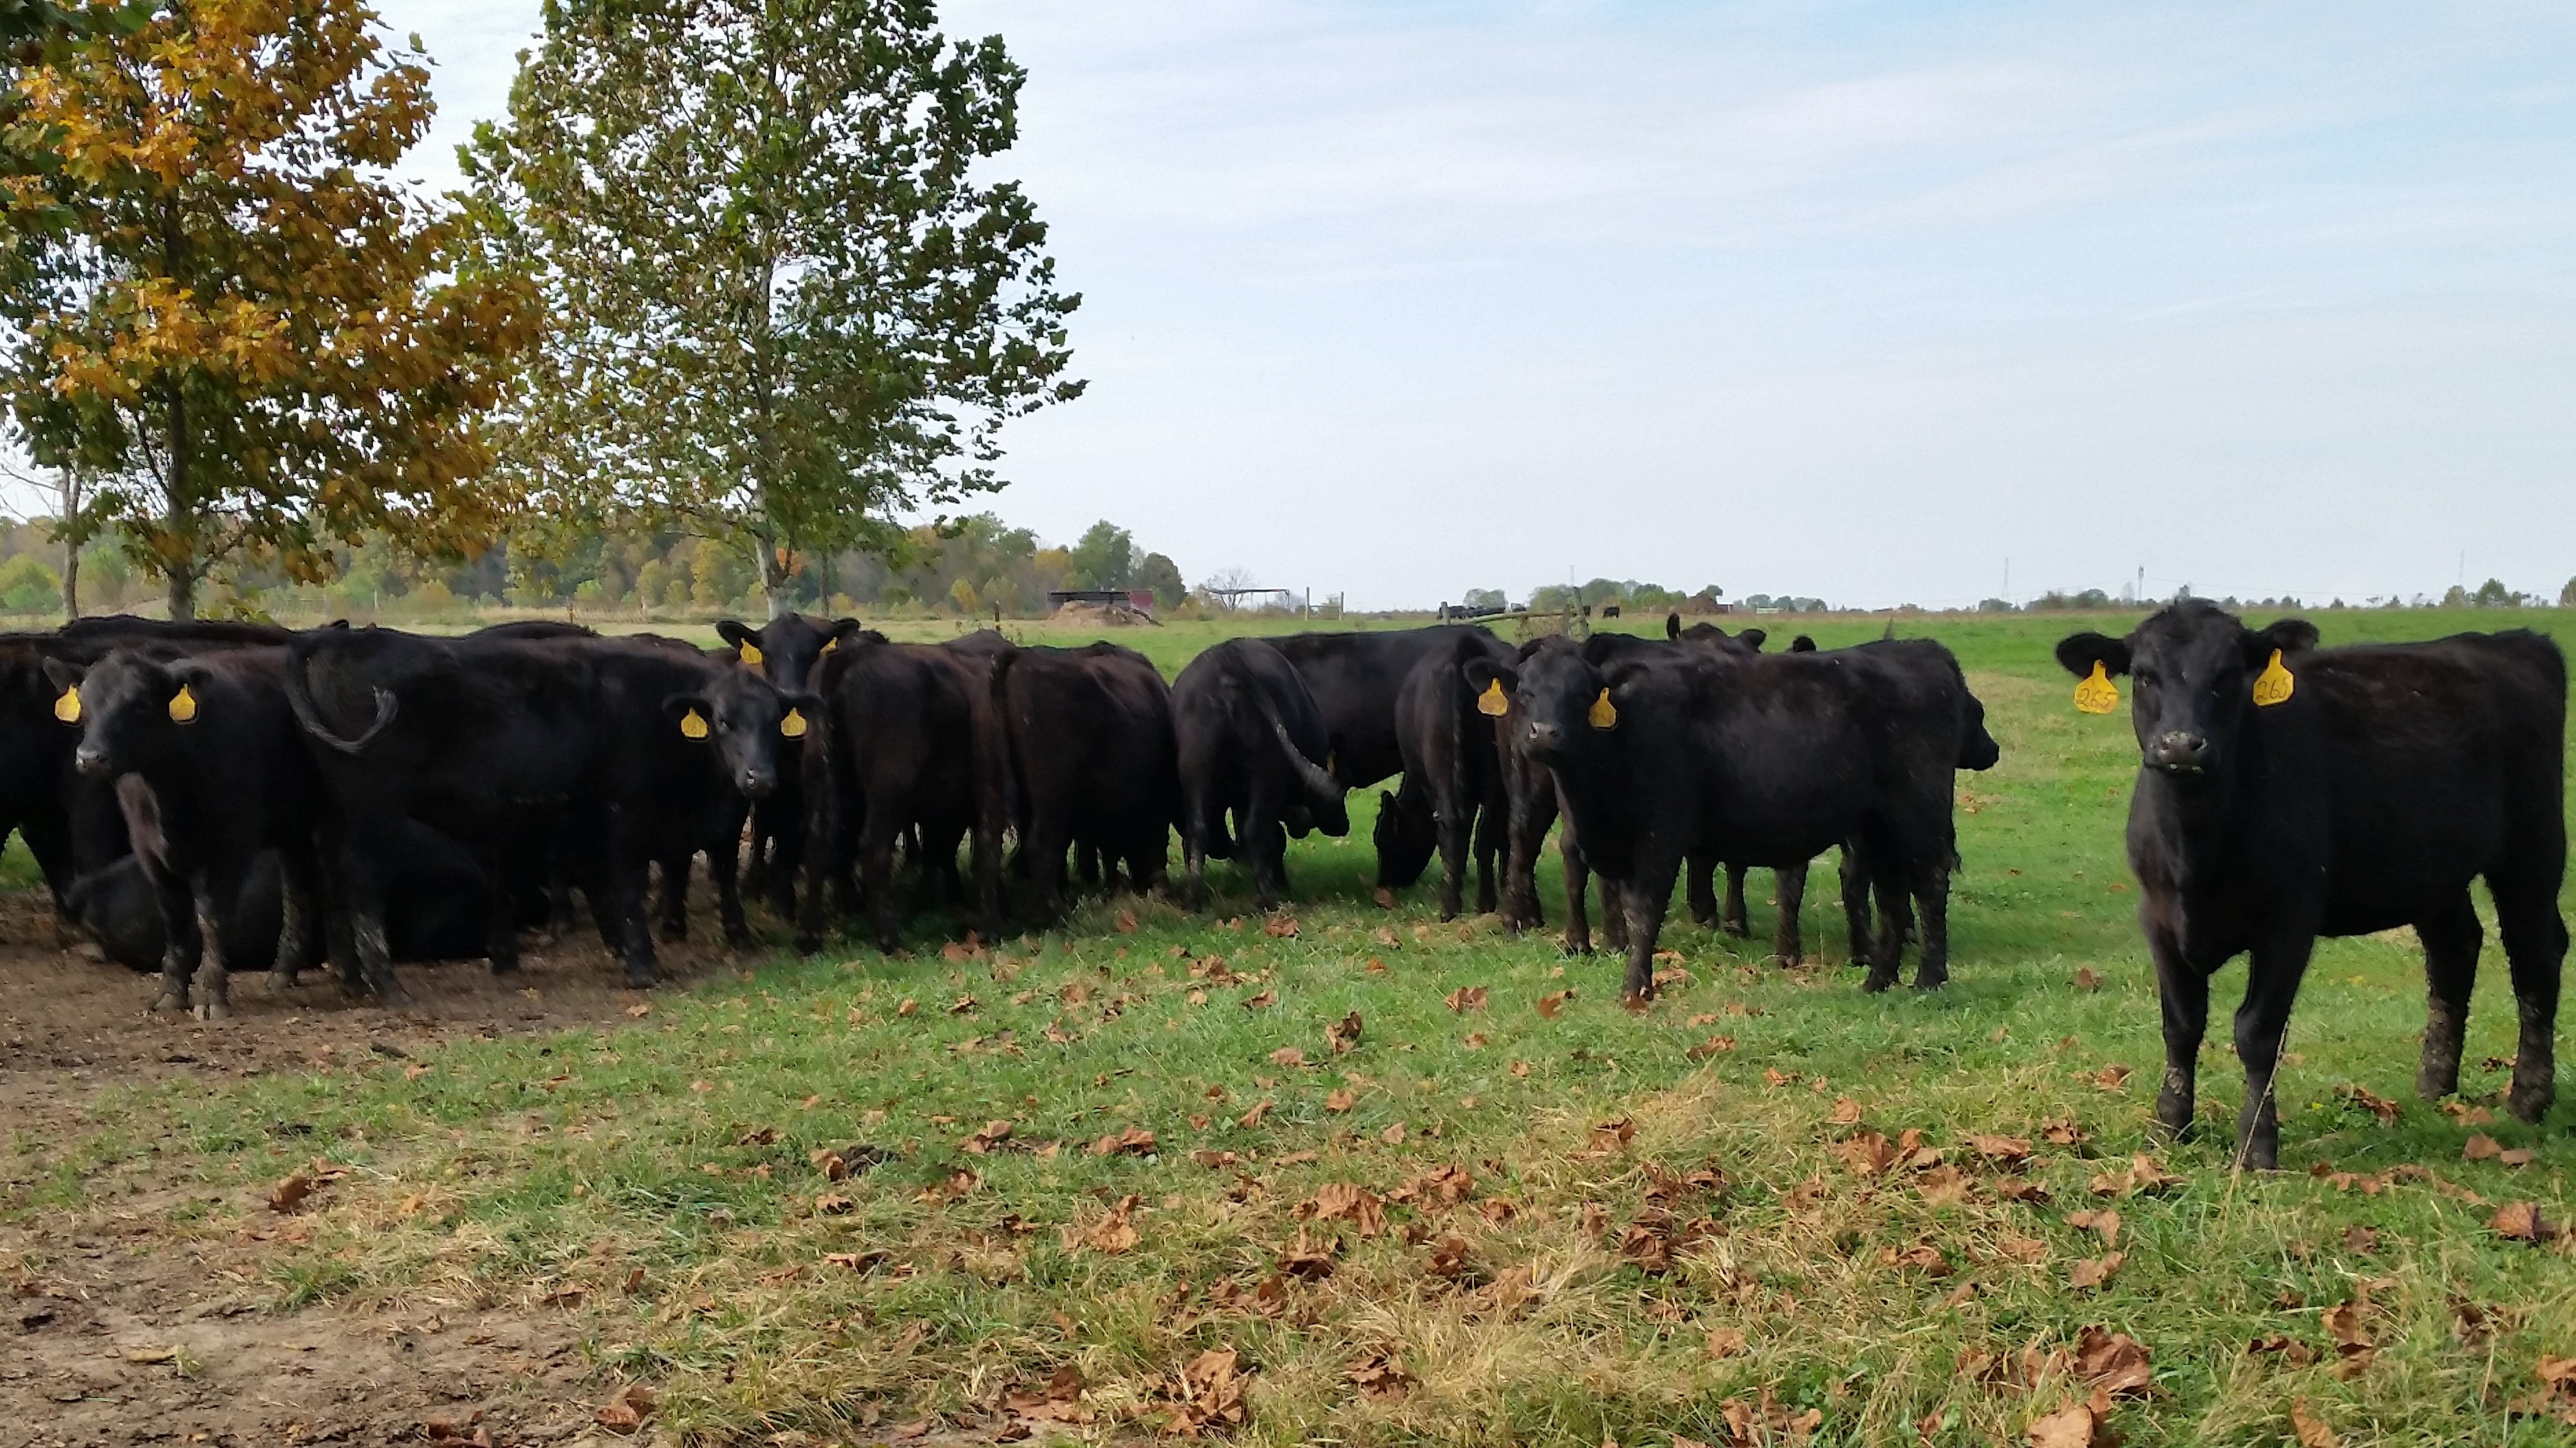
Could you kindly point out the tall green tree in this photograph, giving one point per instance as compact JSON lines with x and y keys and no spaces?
{"x":248,"y":338}
{"x":1104,"y":557}
{"x":787,"y":305}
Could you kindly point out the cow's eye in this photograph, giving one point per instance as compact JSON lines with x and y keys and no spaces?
{"x":2145,"y":678}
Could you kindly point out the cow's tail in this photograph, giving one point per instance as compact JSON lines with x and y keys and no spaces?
{"x":299,"y":697}
{"x":1318,"y":782}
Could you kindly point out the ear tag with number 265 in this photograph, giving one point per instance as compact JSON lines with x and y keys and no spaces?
{"x":2097,"y":694}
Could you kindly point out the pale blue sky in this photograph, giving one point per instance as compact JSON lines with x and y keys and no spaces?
{"x":1848,"y":299}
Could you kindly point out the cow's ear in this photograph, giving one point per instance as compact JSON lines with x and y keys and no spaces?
{"x":1483,"y":673}
{"x":2290,"y":635}
{"x":64,"y":674}
{"x":1672,"y":625}
{"x":690,"y":712}
{"x":1753,"y":638}
{"x":845,"y":627}
{"x":2078,"y":653}
{"x":737,"y":633}
{"x":1802,"y":645}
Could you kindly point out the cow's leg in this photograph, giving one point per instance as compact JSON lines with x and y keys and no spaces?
{"x":1614,"y":911}
{"x":1932,"y":895}
{"x":1854,"y":869}
{"x":724,"y":863}
{"x":1788,"y":939}
{"x":1525,"y":827}
{"x":1042,"y":844}
{"x":1270,"y":865}
{"x":2182,"y":992}
{"x":1699,"y":881}
{"x":1488,"y":843}
{"x":2535,"y":949}
{"x":1732,"y":918}
{"x":300,"y":928}
{"x":876,"y":869}
{"x":627,"y":884}
{"x":825,"y":860}
{"x":1456,"y":825}
{"x":2277,"y":964}
{"x":2452,"y":938}
{"x":675,"y":895}
{"x":1087,"y":863}
{"x":181,"y":947}
{"x":1886,"y":950}
{"x":214,"y":996}
{"x":1578,"y":927}
{"x":1643,"y":898}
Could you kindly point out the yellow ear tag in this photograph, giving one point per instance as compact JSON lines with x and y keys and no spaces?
{"x":792,"y":724}
{"x":693,"y":725}
{"x":67,"y":708}
{"x":2097,"y":694}
{"x":1491,"y":702}
{"x":750,"y":654}
{"x":830,"y":644}
{"x":2273,"y":685}
{"x":1603,"y":714}
{"x":183,"y":706}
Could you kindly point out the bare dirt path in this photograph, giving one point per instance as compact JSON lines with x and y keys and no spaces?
{"x":116,"y":1329}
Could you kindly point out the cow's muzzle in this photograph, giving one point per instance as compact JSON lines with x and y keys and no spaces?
{"x":1544,"y":738}
{"x":2178,"y":751}
{"x":90,"y":760}
{"x":757,"y":783}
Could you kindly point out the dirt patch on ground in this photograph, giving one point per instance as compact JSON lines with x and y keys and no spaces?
{"x":114,"y":1329}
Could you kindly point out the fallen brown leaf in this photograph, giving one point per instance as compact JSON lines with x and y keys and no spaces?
{"x":1467,"y":998}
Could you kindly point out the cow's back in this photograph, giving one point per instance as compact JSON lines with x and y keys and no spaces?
{"x":2437,"y":762}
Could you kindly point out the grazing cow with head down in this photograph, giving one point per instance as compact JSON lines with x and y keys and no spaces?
{"x":209,"y":770}
{"x":1251,"y":741}
{"x":2287,"y":792}
{"x":1354,"y":679}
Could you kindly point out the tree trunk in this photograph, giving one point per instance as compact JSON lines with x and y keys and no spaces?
{"x":71,"y":582}
{"x":773,"y":578}
{"x":183,"y":596}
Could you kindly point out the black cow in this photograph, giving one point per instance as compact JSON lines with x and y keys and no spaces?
{"x":1093,"y":757}
{"x":209,"y":769}
{"x":1455,"y":795}
{"x":599,"y":756}
{"x":1354,"y":679}
{"x":2287,"y":792}
{"x":784,"y":650}
{"x":438,"y":907}
{"x":128,"y":628}
{"x":1249,"y":735}
{"x":1766,"y":758}
{"x":909,"y":742}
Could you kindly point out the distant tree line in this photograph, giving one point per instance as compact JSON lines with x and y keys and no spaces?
{"x":974,"y":566}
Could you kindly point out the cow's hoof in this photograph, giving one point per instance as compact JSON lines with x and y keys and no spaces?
{"x":170,"y":1000}
{"x":1878,"y":982}
{"x":1926,"y":980}
{"x":281,"y":980}
{"x":214,"y":1010}
{"x":808,"y":944}
{"x":644,"y":980}
{"x":740,"y":939}
{"x":2532,"y":1102}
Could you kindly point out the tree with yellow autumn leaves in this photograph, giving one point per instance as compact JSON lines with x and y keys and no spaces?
{"x":251,"y":339}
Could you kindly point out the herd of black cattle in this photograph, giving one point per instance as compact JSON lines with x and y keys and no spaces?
{"x":208,"y":798}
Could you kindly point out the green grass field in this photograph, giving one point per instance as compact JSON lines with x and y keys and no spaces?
{"x":1769,"y":1209}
